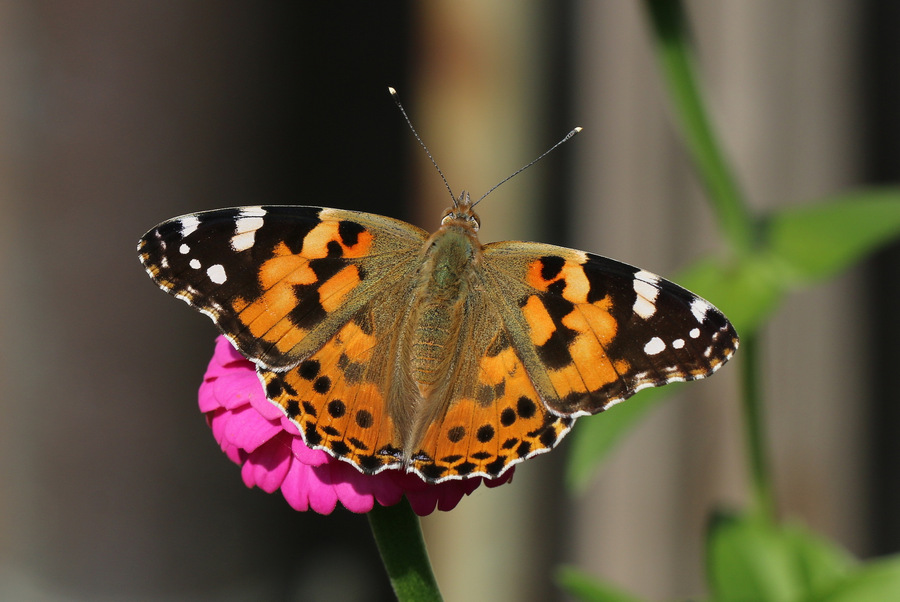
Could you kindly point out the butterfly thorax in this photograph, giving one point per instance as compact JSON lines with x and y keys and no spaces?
{"x":451,"y":259}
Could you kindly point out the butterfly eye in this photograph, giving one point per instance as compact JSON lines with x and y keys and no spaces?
{"x":476,"y":221}
{"x":448,"y":215}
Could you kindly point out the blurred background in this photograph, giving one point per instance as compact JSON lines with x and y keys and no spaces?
{"x":117,"y":115}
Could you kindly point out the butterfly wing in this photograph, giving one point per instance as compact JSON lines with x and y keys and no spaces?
{"x":339,"y":396}
{"x":313,"y":296}
{"x":491,"y":416}
{"x":279,"y":281}
{"x":592,"y":331}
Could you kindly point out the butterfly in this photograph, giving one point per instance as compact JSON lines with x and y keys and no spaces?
{"x":390,"y":348}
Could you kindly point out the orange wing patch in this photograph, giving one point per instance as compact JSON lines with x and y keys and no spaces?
{"x":567,"y":276}
{"x":571,"y":340}
{"x":320,"y":241}
{"x":287,"y":277}
{"x":266,"y":317}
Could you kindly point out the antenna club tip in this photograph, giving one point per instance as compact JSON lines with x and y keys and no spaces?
{"x":392,"y":91}
{"x":577,"y":129}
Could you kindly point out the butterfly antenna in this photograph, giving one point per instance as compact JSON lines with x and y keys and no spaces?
{"x":521,"y":169}
{"x":396,"y":98}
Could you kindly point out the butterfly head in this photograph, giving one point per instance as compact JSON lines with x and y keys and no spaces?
{"x":462,"y":214}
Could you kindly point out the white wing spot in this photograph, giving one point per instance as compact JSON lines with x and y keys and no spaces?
{"x":252,"y":211}
{"x":243,"y":241}
{"x":245,"y":232}
{"x":678,"y":344}
{"x":195,"y":264}
{"x":647,"y":292}
{"x":184,"y":249}
{"x":699,"y":308}
{"x":188,"y":225}
{"x":654,"y":346}
{"x":216,"y":273}
{"x":646,"y":276}
{"x":643,"y":307}
{"x":695,"y":332}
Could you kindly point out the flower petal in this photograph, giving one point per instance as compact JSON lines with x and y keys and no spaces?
{"x":248,"y":430}
{"x":268,"y":466}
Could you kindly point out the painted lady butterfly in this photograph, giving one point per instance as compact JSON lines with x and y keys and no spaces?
{"x":393,"y":349}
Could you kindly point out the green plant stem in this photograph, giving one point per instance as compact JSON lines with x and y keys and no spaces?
{"x":754,"y":423}
{"x":399,"y":538}
{"x":674,"y":55}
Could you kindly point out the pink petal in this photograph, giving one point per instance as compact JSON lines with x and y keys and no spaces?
{"x":268,"y":466}
{"x":289,"y":426}
{"x":295,"y":488}
{"x":246,"y":429}
{"x":352,"y":487}
{"x":311,"y":457}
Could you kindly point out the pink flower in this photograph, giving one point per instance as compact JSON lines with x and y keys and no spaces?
{"x":255,"y":434}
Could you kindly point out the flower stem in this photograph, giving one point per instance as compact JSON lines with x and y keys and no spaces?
{"x":674,"y":55}
{"x":399,"y":538}
{"x":754,"y":423}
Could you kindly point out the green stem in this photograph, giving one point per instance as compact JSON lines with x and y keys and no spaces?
{"x":399,"y":538}
{"x":754,"y":422}
{"x":670,"y":29}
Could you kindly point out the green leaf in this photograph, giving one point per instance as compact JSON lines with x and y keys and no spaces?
{"x":747,"y":562}
{"x":584,"y":587}
{"x":873,"y":582}
{"x":820,"y":563}
{"x":820,"y":240}
{"x":750,"y":559}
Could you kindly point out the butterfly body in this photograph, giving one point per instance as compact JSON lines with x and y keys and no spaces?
{"x":393,"y":349}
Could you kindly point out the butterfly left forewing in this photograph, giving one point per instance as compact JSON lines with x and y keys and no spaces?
{"x":593,"y":331}
{"x":313,"y":296}
{"x":279,"y":281}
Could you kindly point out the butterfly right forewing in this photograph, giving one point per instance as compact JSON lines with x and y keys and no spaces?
{"x":593,"y":331}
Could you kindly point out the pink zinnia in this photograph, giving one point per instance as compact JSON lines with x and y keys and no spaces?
{"x":255,"y":434}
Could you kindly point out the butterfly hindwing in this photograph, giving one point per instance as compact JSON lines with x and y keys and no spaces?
{"x":337,"y":397}
{"x":278,"y":281}
{"x":494,"y":416}
{"x":593,"y":331}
